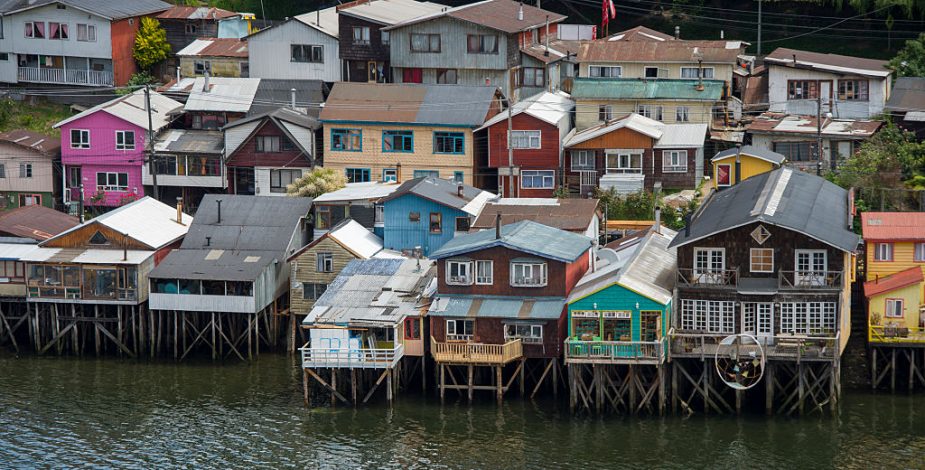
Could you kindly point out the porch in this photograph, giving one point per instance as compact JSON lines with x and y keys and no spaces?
{"x":476,"y":353}
{"x":340,"y":358}
{"x":896,"y":335}
{"x":792,"y":347}
{"x":616,"y":352}
{"x":65,"y":70}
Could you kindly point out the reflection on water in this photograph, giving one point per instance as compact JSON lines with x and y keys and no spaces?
{"x":66,"y":412}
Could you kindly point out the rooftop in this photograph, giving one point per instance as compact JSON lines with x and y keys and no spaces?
{"x":388,"y":12}
{"x":36,"y":222}
{"x":640,"y":33}
{"x":501,"y":15}
{"x":908,"y":94}
{"x":792,"y":123}
{"x":893,"y":226}
{"x":324,"y":20}
{"x":892,"y":282}
{"x":224,"y":94}
{"x":448,"y":193}
{"x":660,"y":51}
{"x":572,"y":214}
{"x":646,"y":89}
{"x":178,"y":12}
{"x":131,"y":108}
{"x":353,"y":237}
{"x":215,"y":47}
{"x":113,"y":10}
{"x":548,"y":107}
{"x":828,"y":62}
{"x":367,"y":191}
{"x":147,"y":220}
{"x":492,"y":306}
{"x":752,"y":151}
{"x":525,"y":236}
{"x":49,"y":146}
{"x":275,"y":93}
{"x":665,"y":135}
{"x":187,"y":141}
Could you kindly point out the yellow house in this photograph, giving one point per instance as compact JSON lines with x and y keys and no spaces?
{"x":396,"y":132}
{"x":220,"y":57}
{"x":753,"y":161}
{"x":895,"y":287}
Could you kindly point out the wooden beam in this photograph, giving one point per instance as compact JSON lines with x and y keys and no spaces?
{"x":326,"y":386}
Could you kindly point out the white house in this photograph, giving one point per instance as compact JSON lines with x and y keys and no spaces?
{"x":303,"y":47}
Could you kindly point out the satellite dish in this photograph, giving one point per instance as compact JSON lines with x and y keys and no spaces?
{"x":740,"y":361}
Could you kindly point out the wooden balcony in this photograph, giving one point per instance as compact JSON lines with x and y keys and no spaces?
{"x":801,"y":280}
{"x":727,"y":278}
{"x":476,"y":353}
{"x":616,"y":352}
{"x":341,"y":358}
{"x":896,"y":335}
{"x":65,"y":76}
{"x":794,"y":347}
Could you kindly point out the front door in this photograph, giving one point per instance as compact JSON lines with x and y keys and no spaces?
{"x":825,"y":91}
{"x":764,"y":322}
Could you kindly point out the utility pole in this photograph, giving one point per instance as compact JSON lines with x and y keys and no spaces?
{"x":150,"y":142}
{"x":759,"y":29}
{"x":818,"y":133}
{"x":81,"y":205}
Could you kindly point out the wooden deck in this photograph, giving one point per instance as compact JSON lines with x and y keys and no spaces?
{"x":476,"y":353}
{"x":351,"y":358}
{"x":896,"y":336}
{"x":795,"y":348}
{"x":616,"y":352}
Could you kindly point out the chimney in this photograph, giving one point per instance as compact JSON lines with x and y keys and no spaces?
{"x":178,"y":76}
{"x":459,"y":190}
{"x":205,"y":82}
{"x":520,"y":12}
{"x":677,"y":32}
{"x":180,"y":210}
{"x":658,"y":219}
{"x":218,"y":202}
{"x":292,"y":98}
{"x":208,"y":241}
{"x":546,"y":38}
{"x":318,"y":17}
{"x":794,"y":60}
{"x":687,"y":225}
{"x":722,"y":34}
{"x":124,"y":247}
{"x":498,"y":226}
{"x":398,"y":172}
{"x":738,"y":174}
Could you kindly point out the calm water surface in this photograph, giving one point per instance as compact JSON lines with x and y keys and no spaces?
{"x":69,"y":412}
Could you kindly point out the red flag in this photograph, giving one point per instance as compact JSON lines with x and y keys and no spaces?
{"x":605,"y":17}
{"x":593,"y":33}
{"x":613,"y":10}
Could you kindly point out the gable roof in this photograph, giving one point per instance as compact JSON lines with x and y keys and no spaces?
{"x":787,"y":198}
{"x":388,"y":12}
{"x":36,"y":222}
{"x":908,"y":94}
{"x":41,"y":143}
{"x":893,"y":226}
{"x":350,"y":235}
{"x":366,"y":191}
{"x":275,"y":93}
{"x":444,"y":192}
{"x":660,"y":51}
{"x":146,"y":220}
{"x":895,"y":281}
{"x":640,"y":33}
{"x":642,"y":89}
{"x":828,"y":62}
{"x":215,"y":47}
{"x":109,"y":9}
{"x":752,"y":151}
{"x":548,"y":107}
{"x":225,"y":94}
{"x":178,"y":12}
{"x":525,"y":236}
{"x":131,"y":108}
{"x":286,"y":120}
{"x":324,"y":20}
{"x":416,"y":104}
{"x":501,"y":15}
{"x":685,"y":135}
{"x":571,"y":214}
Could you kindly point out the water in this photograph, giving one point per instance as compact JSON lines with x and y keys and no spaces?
{"x":68,"y":412}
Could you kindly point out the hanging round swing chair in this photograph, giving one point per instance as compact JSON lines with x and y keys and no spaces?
{"x":740,"y":361}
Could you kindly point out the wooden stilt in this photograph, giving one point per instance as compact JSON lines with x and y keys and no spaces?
{"x":769,"y":389}
{"x":500,"y":390}
{"x":388,"y":388}
{"x":522,"y":377}
{"x":442,"y":368}
{"x":893,"y":370}
{"x":334,"y":387}
{"x":305,"y":387}
{"x":469,"y":383}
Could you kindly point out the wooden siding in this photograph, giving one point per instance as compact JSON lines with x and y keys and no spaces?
{"x":453,"y":46}
{"x":304,"y":270}
{"x":42,"y":180}
{"x":403,"y":234}
{"x":912,"y":297}
{"x":586,"y":111}
{"x":80,"y":238}
{"x":619,"y":298}
{"x":375,"y":50}
{"x":219,"y":66}
{"x":670,"y":70}
{"x":177,"y":36}
{"x":751,"y":166}
{"x":903,"y":259}
{"x":619,"y":139}
{"x":491,"y":331}
{"x":246,"y":154}
{"x":123,"y":41}
{"x":270,"y":53}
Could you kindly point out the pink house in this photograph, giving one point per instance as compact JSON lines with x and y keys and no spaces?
{"x":103,"y":148}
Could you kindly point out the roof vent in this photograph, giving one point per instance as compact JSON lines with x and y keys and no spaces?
{"x":520,"y":12}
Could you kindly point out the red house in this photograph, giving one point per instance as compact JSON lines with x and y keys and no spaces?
{"x":539,"y":124}
{"x":500,"y":302}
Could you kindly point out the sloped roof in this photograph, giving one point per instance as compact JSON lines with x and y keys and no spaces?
{"x":492,"y":306}
{"x":908,"y":94}
{"x":178,"y":12}
{"x":501,"y":15}
{"x":682,"y":135}
{"x":36,"y":222}
{"x":275,"y":93}
{"x":787,"y":198}
{"x":283,"y":119}
{"x":352,"y":236}
{"x":389,"y":12}
{"x":686,"y":135}
{"x":654,"y":52}
{"x":893,"y":226}
{"x":828,"y":62}
{"x":444,"y":192}
{"x":797,"y":124}
{"x":642,"y":89}
{"x":640,"y":33}
{"x":752,"y":151}
{"x":215,"y":47}
{"x":572,"y":214}
{"x":15,"y":251}
{"x":225,"y":94}
{"x":147,"y":220}
{"x":366,"y":191}
{"x":324,"y":20}
{"x":41,"y":143}
{"x":188,"y":141}
{"x":526,"y":236}
{"x":110,"y":9}
{"x":131,"y":108}
{"x":892,"y":282}
{"x":404,"y":103}
{"x":548,"y":107}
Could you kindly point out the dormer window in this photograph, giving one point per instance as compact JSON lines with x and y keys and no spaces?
{"x":99,"y":239}
{"x":459,"y":272}
{"x":528,"y":274}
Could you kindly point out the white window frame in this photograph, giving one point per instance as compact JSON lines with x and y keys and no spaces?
{"x":525,"y":266}
{"x":532,"y":335}
{"x":585,"y":159}
{"x":110,"y":187}
{"x":751,"y":260}
{"x":362,"y":38}
{"x":624,"y":161}
{"x":25,"y":170}
{"x":708,"y":316}
{"x":120,"y":137}
{"x":706,"y":75}
{"x":919,"y":252}
{"x":807,"y":318}
{"x":84,"y":143}
{"x":674,"y":161}
{"x":682,"y":114}
{"x":813,"y":277}
{"x":460,"y":279}
{"x":324,"y":262}
{"x":713,"y":271}
{"x":883,"y":251}
{"x":526,"y":139}
{"x":379,"y":215}
{"x":547,"y":178}
{"x":890,"y":308}
{"x":452,"y":329}
{"x":601,"y":71}
{"x":89,"y":32}
{"x":484,"y":280}
{"x":651,"y":111}
{"x":606,"y":110}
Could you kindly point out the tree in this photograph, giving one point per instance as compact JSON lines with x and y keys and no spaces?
{"x":910,"y":60}
{"x":151,"y":44}
{"x":887,"y":160}
{"x":316,"y":183}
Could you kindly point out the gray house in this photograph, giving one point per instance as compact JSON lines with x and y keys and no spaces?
{"x":304,"y":47}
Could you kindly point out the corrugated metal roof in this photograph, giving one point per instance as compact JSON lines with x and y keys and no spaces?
{"x":448,"y":193}
{"x":893,"y":226}
{"x":35,"y":222}
{"x":178,"y":12}
{"x":106,"y":8}
{"x":132,"y":109}
{"x":215,"y":47}
{"x":147,"y":220}
{"x":640,"y":33}
{"x":546,"y":106}
{"x":356,"y":238}
{"x":501,"y":15}
{"x":489,"y":306}
{"x":41,"y":143}
{"x":665,"y":135}
{"x":225,"y":94}
{"x":907,"y":94}
{"x":646,"y":89}
{"x":796,"y":124}
{"x":87,"y":256}
{"x":213,"y":264}
{"x":828,"y":62}
{"x":389,"y":12}
{"x":275,"y":93}
{"x":190,"y":141}
{"x":682,"y":136}
{"x":751,"y":151}
{"x":892,"y":282}
{"x":15,"y":251}
{"x":573,"y":214}
{"x":654,"y":52}
{"x":790,"y":199}
{"x":324,"y":20}
{"x":367,"y":191}
{"x":525,"y":236}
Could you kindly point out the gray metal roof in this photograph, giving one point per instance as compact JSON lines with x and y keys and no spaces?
{"x":444,"y":192}
{"x":282,"y":114}
{"x":752,"y":151}
{"x":787,"y":198}
{"x":908,"y":94}
{"x":274,"y":93}
{"x":105,"y":8}
{"x":213,"y":264}
{"x":488,"y":306}
{"x":190,"y":141}
{"x":409,"y":103}
{"x":525,"y":236}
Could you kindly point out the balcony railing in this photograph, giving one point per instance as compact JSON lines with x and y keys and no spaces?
{"x":476,"y":353}
{"x":895,"y":334}
{"x":351,"y":358}
{"x":64,"y":76}
{"x":616,"y":352}
{"x":796,"y":347}
{"x":810,"y":280}
{"x":688,"y":277}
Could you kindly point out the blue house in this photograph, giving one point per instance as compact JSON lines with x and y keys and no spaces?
{"x":427,"y":212}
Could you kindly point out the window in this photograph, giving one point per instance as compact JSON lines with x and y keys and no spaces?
{"x":357,"y":175}
{"x":57,"y":30}
{"x":459,"y":330}
{"x":650,"y":111}
{"x":35,"y":30}
{"x":25,"y":170}
{"x":412,"y":75}
{"x":125,"y":140}
{"x":459,"y":177}
{"x":98,"y":239}
{"x":533,"y":76}
{"x":651,"y":72}
{"x":713,"y":316}
{"x":526,"y":333}
{"x":919,"y":252}
{"x":605,"y":71}
{"x":112,"y":182}
{"x":267,"y":143}
{"x":802,"y":89}
{"x":883,"y":252}
{"x":436,"y":222}
{"x":446,"y":76}
{"x":385,"y":37}
{"x":86,"y":32}
{"x":709,"y":265}
{"x":347,"y":140}
{"x":389,"y":174}
{"x":852,"y":90}
{"x":397,"y":141}
{"x":525,"y":139}
{"x":691,"y":72}
{"x":582,"y":160}
{"x":528,"y":274}
{"x":197,"y":121}
{"x":324,"y":262}
{"x":426,"y":174}
{"x":414,"y":216}
{"x":537,"y":179}
{"x":30,"y":200}
{"x":425,"y":42}
{"x":413,"y":328}
{"x":279,"y":179}
{"x":80,"y":139}
{"x":623,"y":162}
{"x":796,"y":151}
{"x":674,"y":161}
{"x":761,"y":260}
{"x":482,"y":43}
{"x":484,"y":272}
{"x":4,"y":56}
{"x":361,"y":35}
{"x":811,"y":268}
{"x":459,"y":273}
{"x":164,"y":165}
{"x":894,"y":308}
{"x":604,"y":112}
{"x":3,"y":172}
{"x":462,"y":224}
{"x":807,"y":318}
{"x":322,"y":217}
{"x":307,"y":53}
{"x":682,"y":114}
{"x":313,"y":291}
{"x":378,"y":215}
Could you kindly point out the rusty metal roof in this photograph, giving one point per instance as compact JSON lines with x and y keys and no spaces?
{"x":501,"y":15}
{"x":35,"y":222}
{"x":828,"y":62}
{"x":49,"y":146}
{"x":604,"y":50}
{"x":772,"y":123}
{"x":420,"y":104}
{"x":893,"y":226}
{"x":215,"y":47}
{"x":892,"y":282}
{"x":573,"y":215}
{"x":195,"y":13}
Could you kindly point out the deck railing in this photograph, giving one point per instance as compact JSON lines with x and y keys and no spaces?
{"x":796,"y":347}
{"x":351,"y":358}
{"x":476,"y":353}
{"x":810,"y":280}
{"x":895,"y":334}
{"x":64,"y":76}
{"x":688,"y":277}
{"x":616,"y":352}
